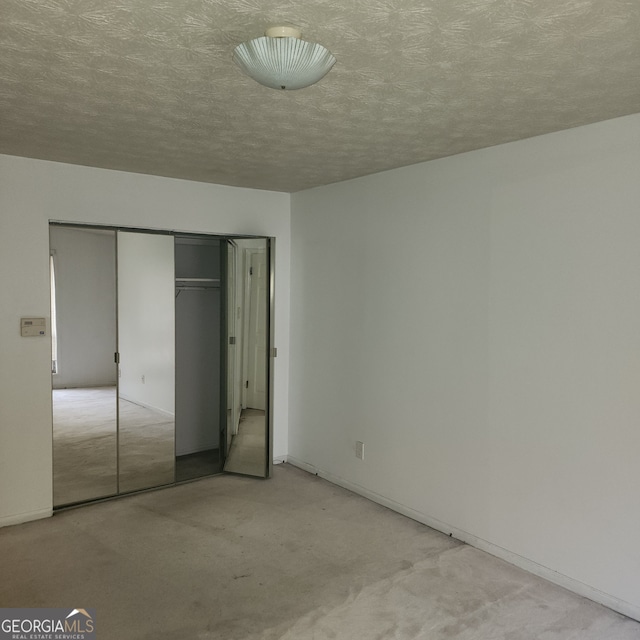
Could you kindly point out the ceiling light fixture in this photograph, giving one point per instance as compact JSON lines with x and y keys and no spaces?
{"x":282,"y":60}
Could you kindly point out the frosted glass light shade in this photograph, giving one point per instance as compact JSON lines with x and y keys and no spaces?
{"x":284,"y":62}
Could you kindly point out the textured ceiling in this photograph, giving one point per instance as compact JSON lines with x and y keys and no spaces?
{"x":149,"y":85}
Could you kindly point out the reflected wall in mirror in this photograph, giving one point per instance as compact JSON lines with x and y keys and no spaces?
{"x":83,"y":369}
{"x":247,"y":294}
{"x":146,"y":384}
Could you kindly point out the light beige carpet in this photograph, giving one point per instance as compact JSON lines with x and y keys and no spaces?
{"x":247,"y":454}
{"x":84,"y":444}
{"x":293,"y":557}
{"x":85,"y":464}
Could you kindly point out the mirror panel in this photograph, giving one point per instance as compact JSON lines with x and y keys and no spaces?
{"x":188,"y":317}
{"x":248,"y":289}
{"x":146,"y":342}
{"x":83,"y":369}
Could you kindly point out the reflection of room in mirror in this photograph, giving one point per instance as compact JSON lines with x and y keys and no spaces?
{"x":247,"y":292}
{"x":146,"y":381}
{"x":247,"y":453}
{"x":84,"y":392}
{"x":146,"y":443}
{"x":84,"y":444}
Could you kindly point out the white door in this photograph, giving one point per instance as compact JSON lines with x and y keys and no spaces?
{"x":256,"y":382}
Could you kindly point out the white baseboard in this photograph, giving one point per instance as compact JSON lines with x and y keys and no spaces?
{"x":28,"y":516}
{"x":571,"y":584}
{"x":164,"y":412}
{"x":279,"y":459}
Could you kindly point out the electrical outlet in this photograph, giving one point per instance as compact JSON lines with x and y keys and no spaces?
{"x":360,"y":450}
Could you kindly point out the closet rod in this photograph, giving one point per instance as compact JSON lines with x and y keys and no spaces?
{"x":196,"y":288}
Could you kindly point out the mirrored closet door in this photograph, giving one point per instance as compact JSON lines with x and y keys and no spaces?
{"x":160,"y":360}
{"x":146,"y":354}
{"x":248,"y":322}
{"x":84,"y":372}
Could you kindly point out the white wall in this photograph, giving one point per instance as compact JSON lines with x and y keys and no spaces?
{"x":85,"y":269}
{"x":146,"y":319}
{"x":31,"y":193}
{"x":475,"y":321}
